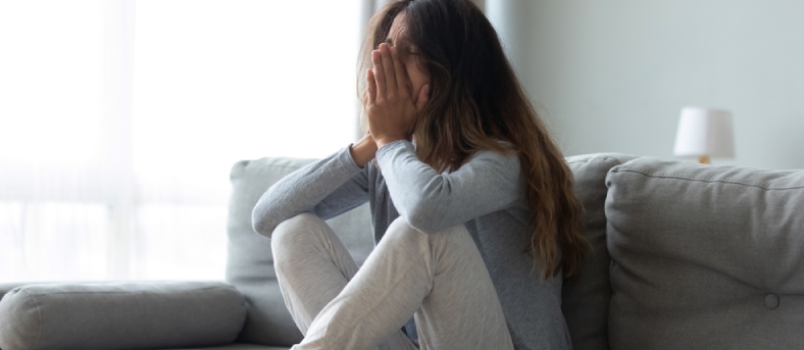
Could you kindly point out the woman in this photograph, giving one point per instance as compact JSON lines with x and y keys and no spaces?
{"x":462,"y":220}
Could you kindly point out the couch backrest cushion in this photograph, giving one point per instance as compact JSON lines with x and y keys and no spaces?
{"x":585,"y":300}
{"x":705,"y":257}
{"x":250,"y":264}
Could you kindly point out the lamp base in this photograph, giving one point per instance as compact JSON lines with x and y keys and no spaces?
{"x":703,"y":160}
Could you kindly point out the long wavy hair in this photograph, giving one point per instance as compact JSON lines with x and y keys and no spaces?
{"x":476,"y":99}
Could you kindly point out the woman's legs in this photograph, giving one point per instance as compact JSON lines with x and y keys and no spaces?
{"x":312,"y":267}
{"x":441,"y":277}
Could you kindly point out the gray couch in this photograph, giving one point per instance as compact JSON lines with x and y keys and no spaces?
{"x":686,"y":257}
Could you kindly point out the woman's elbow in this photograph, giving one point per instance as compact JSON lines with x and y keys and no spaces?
{"x":260,"y":221}
{"x":423,"y":217}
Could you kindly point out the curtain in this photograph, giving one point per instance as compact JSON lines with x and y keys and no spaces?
{"x":120,"y":120}
{"x":53,"y":175}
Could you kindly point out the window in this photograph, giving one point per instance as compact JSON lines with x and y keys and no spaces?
{"x":120,"y":120}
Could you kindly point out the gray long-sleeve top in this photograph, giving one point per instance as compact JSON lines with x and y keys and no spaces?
{"x":487,"y":194}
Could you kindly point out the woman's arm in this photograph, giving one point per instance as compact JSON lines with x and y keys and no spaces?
{"x":431,"y":201}
{"x":327,"y":188}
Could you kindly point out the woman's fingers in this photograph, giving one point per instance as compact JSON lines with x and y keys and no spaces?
{"x":388,"y":70}
{"x":372,"y":86}
{"x":401,"y":77}
{"x":390,"y":80}
{"x":377,"y":73}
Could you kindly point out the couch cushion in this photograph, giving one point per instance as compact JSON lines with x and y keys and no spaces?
{"x":250,"y":264}
{"x":585,"y":300}
{"x":107,"y":316}
{"x":705,"y":257}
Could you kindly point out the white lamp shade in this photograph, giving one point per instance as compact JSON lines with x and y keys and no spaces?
{"x":705,"y":132}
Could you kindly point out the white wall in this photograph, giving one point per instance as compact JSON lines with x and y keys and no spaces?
{"x":612,"y":76}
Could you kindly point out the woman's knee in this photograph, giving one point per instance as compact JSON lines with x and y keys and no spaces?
{"x":295,"y":232}
{"x":440,"y":245}
{"x":400,"y":229}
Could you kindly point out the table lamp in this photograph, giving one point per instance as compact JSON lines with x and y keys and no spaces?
{"x":705,"y":133}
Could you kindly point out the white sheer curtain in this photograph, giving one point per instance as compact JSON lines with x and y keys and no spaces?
{"x":120,"y":120}
{"x":55,"y":202}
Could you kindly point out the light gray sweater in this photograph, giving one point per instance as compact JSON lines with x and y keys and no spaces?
{"x":487,"y":194}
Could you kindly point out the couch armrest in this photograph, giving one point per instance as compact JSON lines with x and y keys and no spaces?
{"x":107,"y":316}
{"x":7,"y":287}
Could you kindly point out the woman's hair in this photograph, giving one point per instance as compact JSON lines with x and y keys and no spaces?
{"x":476,"y":99}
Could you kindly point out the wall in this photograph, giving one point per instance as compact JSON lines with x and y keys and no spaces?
{"x":612,"y":76}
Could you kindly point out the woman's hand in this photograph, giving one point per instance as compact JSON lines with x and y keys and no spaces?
{"x":390,"y":107}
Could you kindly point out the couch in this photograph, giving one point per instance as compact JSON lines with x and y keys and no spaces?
{"x":687,"y":256}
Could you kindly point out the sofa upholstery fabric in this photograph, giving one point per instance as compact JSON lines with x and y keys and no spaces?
{"x":250,"y":264}
{"x":705,"y":257}
{"x":585,"y":299}
{"x":7,"y":287}
{"x":239,"y":347}
{"x":108,"y":316}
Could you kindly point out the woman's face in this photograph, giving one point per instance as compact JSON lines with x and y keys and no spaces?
{"x":409,"y":55}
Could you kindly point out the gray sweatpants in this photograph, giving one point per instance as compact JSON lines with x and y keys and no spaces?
{"x":439,"y":278}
